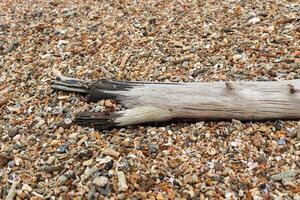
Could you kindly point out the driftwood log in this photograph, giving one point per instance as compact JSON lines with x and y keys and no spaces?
{"x":157,"y":102}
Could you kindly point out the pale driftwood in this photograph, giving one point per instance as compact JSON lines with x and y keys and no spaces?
{"x":156,"y":102}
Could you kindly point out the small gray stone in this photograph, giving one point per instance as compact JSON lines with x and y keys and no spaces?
{"x":63,"y":148}
{"x":185,"y":64}
{"x":286,"y":175}
{"x":196,"y":72}
{"x":57,"y":111}
{"x":153,"y":148}
{"x":105,"y":191}
{"x":263,"y":78}
{"x":69,"y":13}
{"x":152,"y":20}
{"x":61,"y":180}
{"x":100,"y":181}
{"x":281,"y":141}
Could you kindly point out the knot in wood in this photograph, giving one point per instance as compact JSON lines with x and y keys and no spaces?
{"x":229,"y":85}
{"x":292,"y":89}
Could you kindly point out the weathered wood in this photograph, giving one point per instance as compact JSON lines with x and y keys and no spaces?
{"x":156,"y":102}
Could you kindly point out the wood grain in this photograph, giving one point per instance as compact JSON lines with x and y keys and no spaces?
{"x":242,"y":100}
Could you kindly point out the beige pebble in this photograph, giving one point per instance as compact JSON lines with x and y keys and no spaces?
{"x":110,"y":152}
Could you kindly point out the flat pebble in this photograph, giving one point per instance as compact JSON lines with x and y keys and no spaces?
{"x":100,"y":181}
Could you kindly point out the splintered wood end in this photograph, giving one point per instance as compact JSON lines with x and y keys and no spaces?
{"x":138,"y":115}
{"x":97,"y":120}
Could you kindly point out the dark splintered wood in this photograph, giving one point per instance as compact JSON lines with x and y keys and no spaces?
{"x":107,"y":90}
{"x":94,"y":91}
{"x":156,"y":102}
{"x":70,"y":85}
{"x":138,"y":115}
{"x":98,"y":120}
{"x":115,"y":89}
